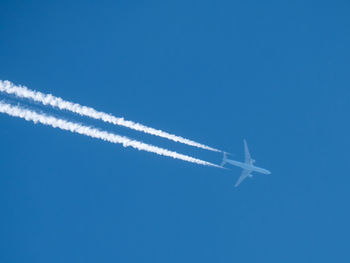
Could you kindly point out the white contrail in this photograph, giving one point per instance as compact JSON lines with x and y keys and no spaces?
{"x":35,"y":117}
{"x":48,"y":99}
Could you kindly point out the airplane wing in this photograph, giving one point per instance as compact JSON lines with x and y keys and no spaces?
{"x":244,"y":175}
{"x":247,"y":157}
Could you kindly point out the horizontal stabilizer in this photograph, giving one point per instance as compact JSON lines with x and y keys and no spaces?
{"x":224,"y":159}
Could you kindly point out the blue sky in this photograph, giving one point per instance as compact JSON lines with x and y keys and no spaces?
{"x":275,"y":73}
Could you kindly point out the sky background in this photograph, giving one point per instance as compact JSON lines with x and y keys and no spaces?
{"x":216,"y":72}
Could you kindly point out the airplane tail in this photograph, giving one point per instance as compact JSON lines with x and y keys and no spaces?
{"x":224,"y":159}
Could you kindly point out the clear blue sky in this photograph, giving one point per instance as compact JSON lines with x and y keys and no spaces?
{"x":275,"y":73}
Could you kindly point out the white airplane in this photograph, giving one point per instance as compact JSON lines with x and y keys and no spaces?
{"x":248,"y":165}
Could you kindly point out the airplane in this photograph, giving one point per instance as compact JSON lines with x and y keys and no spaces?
{"x":248,"y":165}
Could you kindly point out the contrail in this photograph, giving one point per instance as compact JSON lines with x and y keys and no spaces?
{"x":54,"y":122}
{"x":56,"y":102}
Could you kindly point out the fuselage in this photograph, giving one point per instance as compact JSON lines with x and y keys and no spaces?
{"x":248,"y":167}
